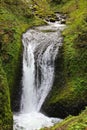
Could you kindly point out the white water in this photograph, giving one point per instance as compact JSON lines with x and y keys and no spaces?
{"x":41,"y":46}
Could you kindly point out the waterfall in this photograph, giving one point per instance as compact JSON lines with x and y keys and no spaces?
{"x":41,"y":46}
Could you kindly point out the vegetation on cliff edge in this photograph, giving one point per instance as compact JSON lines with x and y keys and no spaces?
{"x":74,"y":55}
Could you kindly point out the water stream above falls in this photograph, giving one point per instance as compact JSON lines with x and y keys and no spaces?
{"x":41,"y":46}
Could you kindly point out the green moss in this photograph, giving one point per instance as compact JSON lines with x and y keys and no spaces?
{"x":75,"y":50}
{"x":5,"y":111}
{"x":74,"y":55}
{"x":41,"y":8}
{"x":72,"y":123}
{"x":15,"y":18}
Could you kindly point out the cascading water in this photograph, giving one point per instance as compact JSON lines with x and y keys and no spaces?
{"x":41,"y":46}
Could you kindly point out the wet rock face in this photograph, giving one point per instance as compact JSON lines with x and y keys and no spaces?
{"x":61,"y":111}
{"x":57,"y":17}
{"x":17,"y":89}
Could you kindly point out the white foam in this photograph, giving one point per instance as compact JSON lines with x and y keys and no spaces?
{"x":33,"y":121}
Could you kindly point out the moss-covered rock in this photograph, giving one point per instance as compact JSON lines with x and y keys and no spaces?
{"x":72,"y":123}
{"x":6,"y":120}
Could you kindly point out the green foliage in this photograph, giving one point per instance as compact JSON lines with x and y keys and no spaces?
{"x":41,"y":8}
{"x":75,"y":49}
{"x":74,"y":55}
{"x":5,"y":112}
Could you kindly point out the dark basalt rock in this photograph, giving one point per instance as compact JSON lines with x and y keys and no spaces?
{"x":52,"y":20}
{"x":17,"y":89}
{"x":61,"y":111}
{"x":63,"y":21}
{"x":57,"y":17}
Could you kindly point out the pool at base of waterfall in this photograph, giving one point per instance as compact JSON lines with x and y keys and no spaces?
{"x":33,"y":121}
